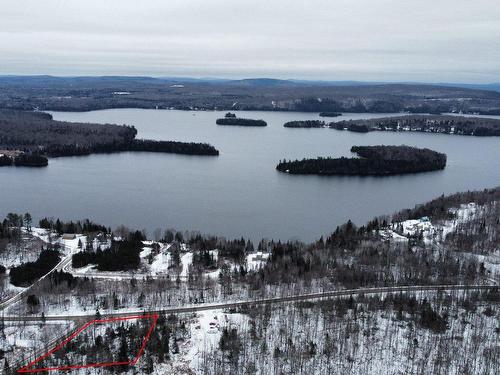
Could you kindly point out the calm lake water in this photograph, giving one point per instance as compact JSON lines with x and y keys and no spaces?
{"x":238,"y":193}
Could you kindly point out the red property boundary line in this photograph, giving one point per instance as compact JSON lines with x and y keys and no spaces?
{"x":154,"y":317}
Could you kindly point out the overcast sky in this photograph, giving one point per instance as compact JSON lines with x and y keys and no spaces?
{"x":377,"y":40}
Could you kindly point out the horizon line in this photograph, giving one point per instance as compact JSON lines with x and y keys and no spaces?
{"x":249,"y":78}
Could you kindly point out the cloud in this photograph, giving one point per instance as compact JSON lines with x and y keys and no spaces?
{"x":438,"y":40}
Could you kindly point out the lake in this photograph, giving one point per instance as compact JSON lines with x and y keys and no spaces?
{"x":238,"y":193}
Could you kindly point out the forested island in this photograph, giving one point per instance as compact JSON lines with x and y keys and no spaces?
{"x":305,"y":124}
{"x":330,"y":114}
{"x":28,"y":138}
{"x":373,"y":161}
{"x":231,"y":119}
{"x":308,"y":124}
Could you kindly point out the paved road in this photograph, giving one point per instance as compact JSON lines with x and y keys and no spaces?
{"x":227,"y":305}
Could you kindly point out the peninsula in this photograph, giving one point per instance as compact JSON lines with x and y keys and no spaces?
{"x":28,"y":138}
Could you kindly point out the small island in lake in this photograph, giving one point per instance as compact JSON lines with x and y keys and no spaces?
{"x":373,"y":161}
{"x":305,"y":124}
{"x":231,"y":119}
{"x":330,"y":114}
{"x":310,"y":124}
{"x":28,"y":138}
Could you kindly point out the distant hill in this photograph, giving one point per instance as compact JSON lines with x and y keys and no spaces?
{"x":268,"y":94}
{"x":477,"y":86}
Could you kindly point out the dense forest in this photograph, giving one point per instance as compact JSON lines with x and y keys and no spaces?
{"x":239,"y":121}
{"x":373,"y":161}
{"x":38,"y":134}
{"x":11,"y":225}
{"x":25,"y":274}
{"x":321,"y":124}
{"x":121,"y":256}
{"x":305,"y":124}
{"x":458,"y":125}
{"x":425,"y":123}
{"x":81,"y":226}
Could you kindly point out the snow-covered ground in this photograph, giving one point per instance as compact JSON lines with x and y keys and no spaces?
{"x":27,"y":249}
{"x":67,"y":245}
{"x":156,"y":261}
{"x":204,"y":331}
{"x":316,"y":339}
{"x":20,"y":339}
{"x":256,"y":260}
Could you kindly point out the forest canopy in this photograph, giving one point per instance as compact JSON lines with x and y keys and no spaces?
{"x":305,"y":124}
{"x":373,"y":161}
{"x":458,"y":125}
{"x":240,"y":121}
{"x":121,"y":256}
{"x":25,"y":274}
{"x":443,"y":124}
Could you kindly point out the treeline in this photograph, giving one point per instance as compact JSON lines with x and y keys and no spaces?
{"x":458,"y":125}
{"x":235,"y":250}
{"x":305,"y":124}
{"x":37,"y":134}
{"x":375,"y":161}
{"x":25,"y":274}
{"x":81,"y":226}
{"x":325,"y":105}
{"x":121,"y":256}
{"x":135,"y":145}
{"x":11,"y":225}
{"x":321,"y":124}
{"x":240,"y":122}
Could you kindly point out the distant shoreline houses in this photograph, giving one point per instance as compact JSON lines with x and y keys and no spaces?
{"x":11,"y":153}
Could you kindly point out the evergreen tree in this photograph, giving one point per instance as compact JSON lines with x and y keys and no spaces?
{"x":27,"y":222}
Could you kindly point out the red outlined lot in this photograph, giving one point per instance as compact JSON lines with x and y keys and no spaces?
{"x":29,"y":367}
